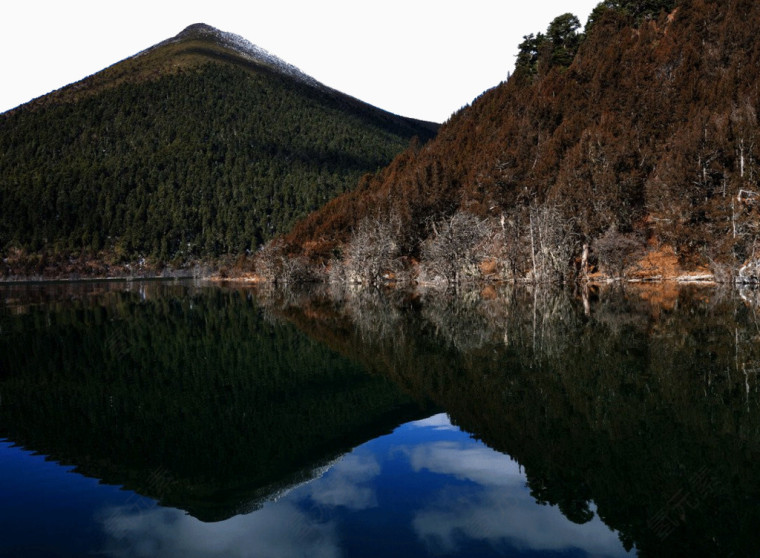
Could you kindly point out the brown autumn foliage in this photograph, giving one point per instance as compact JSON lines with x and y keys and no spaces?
{"x":651,"y":132}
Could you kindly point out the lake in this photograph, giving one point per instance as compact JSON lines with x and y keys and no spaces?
{"x":186,"y":419}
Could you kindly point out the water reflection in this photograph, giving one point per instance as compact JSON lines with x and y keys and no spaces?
{"x":459,"y":498}
{"x":498,"y":509}
{"x":631,"y":417}
{"x":166,"y":532}
{"x":638,"y":406}
{"x":192,"y":396}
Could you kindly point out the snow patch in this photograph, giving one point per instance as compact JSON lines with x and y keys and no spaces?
{"x":249,"y":51}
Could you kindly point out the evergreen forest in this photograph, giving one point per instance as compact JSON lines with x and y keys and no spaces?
{"x":209,"y":158}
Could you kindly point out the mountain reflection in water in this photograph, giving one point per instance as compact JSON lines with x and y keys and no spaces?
{"x":631,"y":418}
{"x":638,"y":405}
{"x":459,"y":498}
{"x":191,"y":396}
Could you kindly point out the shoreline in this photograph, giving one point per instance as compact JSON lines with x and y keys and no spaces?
{"x":125,"y":279}
{"x":697,"y":277}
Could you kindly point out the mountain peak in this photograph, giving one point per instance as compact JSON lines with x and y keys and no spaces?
{"x":245,"y":49}
{"x":198,"y":30}
{"x":199,"y":27}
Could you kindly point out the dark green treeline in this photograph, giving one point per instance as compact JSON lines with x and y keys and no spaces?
{"x":205,"y":161}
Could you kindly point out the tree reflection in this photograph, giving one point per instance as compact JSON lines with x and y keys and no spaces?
{"x":641,"y":400}
{"x":639,"y":405}
{"x":196,"y":397}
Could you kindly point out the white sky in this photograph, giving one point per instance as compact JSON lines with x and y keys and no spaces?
{"x":418,"y":58}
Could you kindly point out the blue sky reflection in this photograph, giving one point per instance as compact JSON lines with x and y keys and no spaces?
{"x":426,"y":489}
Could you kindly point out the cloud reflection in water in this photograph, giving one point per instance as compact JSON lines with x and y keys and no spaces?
{"x":277,"y":530}
{"x":497,"y":506}
{"x":457,"y":493}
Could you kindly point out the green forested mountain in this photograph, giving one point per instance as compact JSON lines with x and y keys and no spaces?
{"x":200,"y":146}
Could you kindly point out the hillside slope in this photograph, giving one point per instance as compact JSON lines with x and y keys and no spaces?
{"x":631,"y":150}
{"x":200,"y":146}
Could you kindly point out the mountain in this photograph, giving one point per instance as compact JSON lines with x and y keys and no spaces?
{"x":200,"y":146}
{"x":630,"y":149}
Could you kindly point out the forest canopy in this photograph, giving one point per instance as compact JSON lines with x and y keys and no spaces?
{"x":630,"y":150}
{"x":211,"y":159}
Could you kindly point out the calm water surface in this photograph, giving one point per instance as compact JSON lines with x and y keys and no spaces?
{"x":171,"y":419}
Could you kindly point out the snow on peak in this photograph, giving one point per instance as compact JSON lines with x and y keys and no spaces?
{"x":248,"y":50}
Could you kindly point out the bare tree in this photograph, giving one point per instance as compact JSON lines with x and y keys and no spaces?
{"x":455,"y":248}
{"x":373,"y":254}
{"x":616,"y":250}
{"x":268,"y":261}
{"x":508,"y":245}
{"x":745,"y":220}
{"x":273,"y":265}
{"x":749,"y":272}
{"x":298,"y":269}
{"x":553,"y":243}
